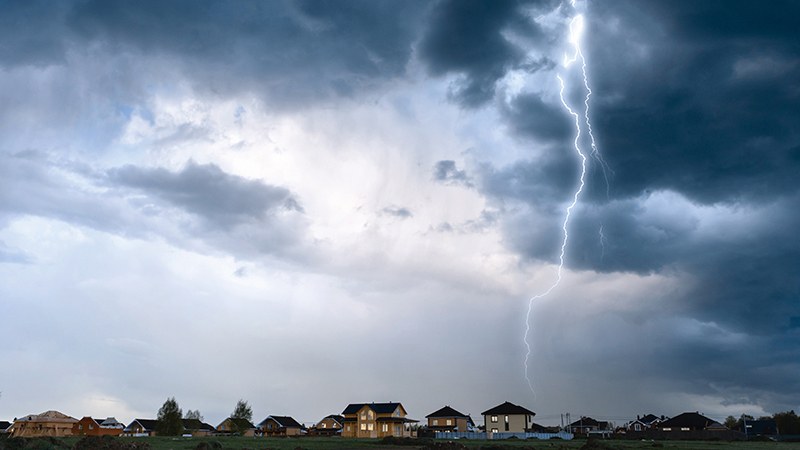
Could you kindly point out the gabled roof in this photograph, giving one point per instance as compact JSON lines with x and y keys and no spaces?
{"x":691,"y":420}
{"x":110,"y":422}
{"x":379,"y":408}
{"x":146,"y":424}
{"x":648,"y":419}
{"x":446,"y":412}
{"x":508,"y":408}
{"x":282,"y":421}
{"x":196,"y":425}
{"x":241,"y":424}
{"x":335,"y":417}
{"x":586,"y":422}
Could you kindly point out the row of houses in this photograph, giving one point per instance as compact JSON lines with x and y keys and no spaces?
{"x":365,"y":420}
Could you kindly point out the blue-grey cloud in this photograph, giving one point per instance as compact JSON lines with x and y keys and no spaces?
{"x":446,"y":172}
{"x":208,"y":192}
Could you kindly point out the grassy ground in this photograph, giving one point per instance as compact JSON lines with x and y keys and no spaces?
{"x":237,"y":443}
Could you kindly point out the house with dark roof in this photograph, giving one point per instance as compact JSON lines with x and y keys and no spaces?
{"x":280,"y":426}
{"x":691,"y":421}
{"x":507,"y":418}
{"x":761,"y":427}
{"x":89,"y":426}
{"x":644,"y":423}
{"x":330,"y":425}
{"x":449,"y":420}
{"x":587,"y":425}
{"x":141,"y":428}
{"x":197,"y":428}
{"x":242,"y":427}
{"x":4,"y":426}
{"x":375,"y":420}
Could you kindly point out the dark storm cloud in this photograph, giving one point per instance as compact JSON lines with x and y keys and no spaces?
{"x":710,"y":106}
{"x":466,"y":38}
{"x":208,"y":192}
{"x":695,"y":106}
{"x":290,"y":52}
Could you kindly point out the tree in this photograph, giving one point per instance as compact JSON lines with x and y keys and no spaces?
{"x":731,"y":422}
{"x":193,"y":415}
{"x":169,"y":419}
{"x":788,"y":422}
{"x":242,"y":411}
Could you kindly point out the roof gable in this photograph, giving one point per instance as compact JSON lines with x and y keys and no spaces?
{"x":378,"y":408}
{"x":447,"y":411}
{"x":284,"y":421}
{"x":508,"y":408}
{"x":146,"y":424}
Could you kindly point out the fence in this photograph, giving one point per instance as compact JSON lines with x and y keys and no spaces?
{"x":477,"y":436}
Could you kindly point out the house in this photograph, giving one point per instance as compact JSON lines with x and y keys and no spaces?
{"x":644,"y":423}
{"x":449,"y":420}
{"x":197,"y":428}
{"x":691,"y":421}
{"x":280,"y":426}
{"x":507,"y":418}
{"x":586,"y":425}
{"x":375,"y":420}
{"x":329,"y":426}
{"x":761,"y":427}
{"x":141,"y":428}
{"x":89,"y":426}
{"x":241,"y":427}
{"x":4,"y":426}
{"x":49,"y":423}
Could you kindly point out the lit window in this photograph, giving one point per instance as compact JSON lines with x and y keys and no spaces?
{"x":363,"y":416}
{"x":324,"y":425}
{"x":495,"y":430}
{"x":370,"y":426}
{"x":369,"y":415}
{"x":385,"y":427}
{"x":684,"y":428}
{"x":494,"y":419}
{"x":505,"y":419}
{"x":666,"y":429}
{"x":637,"y":427}
{"x":363,"y":427}
{"x":435,"y":422}
{"x":449,"y":422}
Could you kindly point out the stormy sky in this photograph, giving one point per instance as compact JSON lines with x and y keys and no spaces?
{"x":306,"y":204}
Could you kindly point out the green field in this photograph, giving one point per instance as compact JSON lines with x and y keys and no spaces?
{"x":238,"y":443}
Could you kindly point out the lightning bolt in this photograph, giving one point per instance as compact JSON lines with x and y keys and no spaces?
{"x":576,"y":27}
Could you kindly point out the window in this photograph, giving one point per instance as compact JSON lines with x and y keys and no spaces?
{"x":385,"y":427}
{"x":637,"y":427}
{"x":505,"y":419}
{"x":495,"y":430}
{"x":666,"y":429}
{"x":449,"y":422}
{"x":684,"y":428}
{"x":435,"y":422}
{"x":348,"y":428}
{"x":397,"y":430}
{"x":363,"y":427}
{"x":363,"y":416}
{"x":370,"y":426}
{"x":494,"y":419}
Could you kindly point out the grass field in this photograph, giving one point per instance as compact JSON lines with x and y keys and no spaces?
{"x":238,"y":443}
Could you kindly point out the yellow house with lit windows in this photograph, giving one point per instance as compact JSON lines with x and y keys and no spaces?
{"x":375,"y":420}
